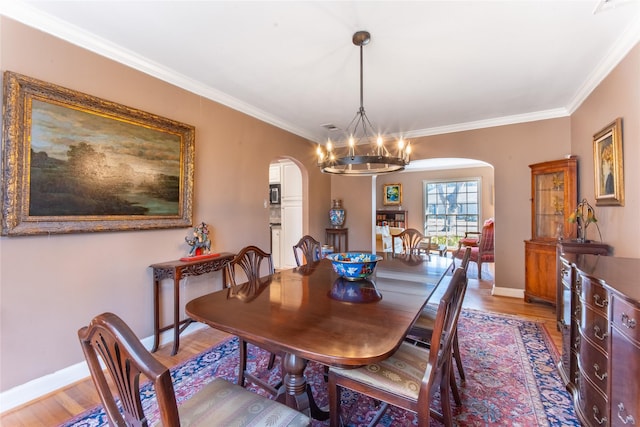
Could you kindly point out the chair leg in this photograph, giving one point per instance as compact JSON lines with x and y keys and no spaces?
{"x":447,"y":414}
{"x":334,"y":402}
{"x":456,"y":355}
{"x":242,"y":347}
{"x":454,"y":388}
{"x":479,"y":269}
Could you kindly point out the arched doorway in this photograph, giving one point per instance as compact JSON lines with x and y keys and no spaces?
{"x":285,"y":216}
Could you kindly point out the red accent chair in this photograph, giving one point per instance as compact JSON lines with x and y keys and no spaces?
{"x":482,"y":247}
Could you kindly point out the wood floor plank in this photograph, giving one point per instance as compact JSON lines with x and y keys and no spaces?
{"x":66,"y":403}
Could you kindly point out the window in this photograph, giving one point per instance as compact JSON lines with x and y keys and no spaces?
{"x":450,"y":209}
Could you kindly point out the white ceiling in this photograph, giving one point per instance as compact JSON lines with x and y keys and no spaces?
{"x":431,"y":67}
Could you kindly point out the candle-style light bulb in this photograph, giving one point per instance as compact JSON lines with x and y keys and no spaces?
{"x":401,"y":148}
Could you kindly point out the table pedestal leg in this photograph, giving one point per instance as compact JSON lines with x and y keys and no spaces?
{"x":298,"y":393}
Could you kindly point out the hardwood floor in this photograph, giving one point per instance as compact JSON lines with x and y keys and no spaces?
{"x":57,"y":407}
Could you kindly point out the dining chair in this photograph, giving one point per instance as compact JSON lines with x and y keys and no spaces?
{"x":246,"y":271}
{"x":422,"y":330}
{"x":411,"y":375}
{"x":108,"y":339}
{"x":309,"y":248}
{"x":482,"y":246}
{"x":411,"y":240}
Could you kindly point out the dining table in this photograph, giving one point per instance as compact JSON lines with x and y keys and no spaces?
{"x":311,"y":313}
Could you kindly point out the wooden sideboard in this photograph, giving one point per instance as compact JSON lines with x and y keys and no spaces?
{"x":600,"y":363}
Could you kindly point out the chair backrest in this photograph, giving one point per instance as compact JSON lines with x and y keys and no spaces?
{"x":108,"y":338}
{"x":248,"y":262}
{"x":309,"y":248}
{"x":441,"y":346}
{"x":465,"y":259}
{"x":411,"y":239}
{"x":486,"y":245}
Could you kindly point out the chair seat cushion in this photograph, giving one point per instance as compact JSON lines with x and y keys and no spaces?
{"x":399,"y":374}
{"x":469,"y":241}
{"x":222,"y":403}
{"x":427,"y":319}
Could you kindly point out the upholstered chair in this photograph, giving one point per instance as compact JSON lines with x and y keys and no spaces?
{"x":482,"y":247}
{"x":247,"y":273}
{"x":109,"y":340}
{"x":410,"y":377}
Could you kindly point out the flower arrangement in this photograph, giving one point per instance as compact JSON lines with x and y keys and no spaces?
{"x":583,"y":215}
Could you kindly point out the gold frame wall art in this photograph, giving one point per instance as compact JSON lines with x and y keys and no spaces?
{"x":73,"y":162}
{"x":608,"y":165}
{"x":392,"y":194}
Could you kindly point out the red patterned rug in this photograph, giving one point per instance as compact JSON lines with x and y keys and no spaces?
{"x":509,"y":365}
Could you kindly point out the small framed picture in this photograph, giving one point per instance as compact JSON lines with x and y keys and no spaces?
{"x":607,"y":163}
{"x":392,"y":194}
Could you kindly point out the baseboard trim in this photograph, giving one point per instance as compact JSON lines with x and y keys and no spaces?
{"x":44,"y":385}
{"x":507,"y":292}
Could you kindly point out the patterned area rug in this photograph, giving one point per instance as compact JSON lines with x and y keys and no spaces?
{"x":509,"y":365}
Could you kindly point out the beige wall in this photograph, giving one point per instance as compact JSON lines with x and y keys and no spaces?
{"x":52,"y":285}
{"x":617,"y":96}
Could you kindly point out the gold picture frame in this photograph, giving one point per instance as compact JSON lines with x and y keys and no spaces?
{"x":608,"y":165}
{"x":72,"y":162}
{"x":392,"y":194}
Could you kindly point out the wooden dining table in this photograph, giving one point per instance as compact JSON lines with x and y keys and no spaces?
{"x":310,"y":313}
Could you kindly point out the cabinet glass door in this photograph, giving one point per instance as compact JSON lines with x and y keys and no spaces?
{"x":549,"y":205}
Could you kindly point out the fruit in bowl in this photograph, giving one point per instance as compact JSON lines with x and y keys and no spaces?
{"x":354,"y":265}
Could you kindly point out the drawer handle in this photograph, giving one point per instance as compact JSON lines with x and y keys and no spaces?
{"x":596,"y":333}
{"x":628,"y":322}
{"x":596,"y":301}
{"x":602,"y":420}
{"x":626,"y":420}
{"x":596,"y":369}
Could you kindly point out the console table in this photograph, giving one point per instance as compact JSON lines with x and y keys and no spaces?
{"x":176,"y":270}
{"x":335,"y":236}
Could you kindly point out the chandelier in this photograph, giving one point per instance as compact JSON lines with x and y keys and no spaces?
{"x":364,"y":152}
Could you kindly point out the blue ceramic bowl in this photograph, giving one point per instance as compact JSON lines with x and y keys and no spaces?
{"x":354,"y":265}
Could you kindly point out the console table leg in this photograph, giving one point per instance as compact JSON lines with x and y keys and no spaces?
{"x":176,"y":315}
{"x":156,"y":316}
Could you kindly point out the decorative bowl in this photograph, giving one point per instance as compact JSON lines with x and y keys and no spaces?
{"x":354,"y":265}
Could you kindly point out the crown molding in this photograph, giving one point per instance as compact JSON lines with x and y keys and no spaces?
{"x":30,"y":16}
{"x":49,"y":24}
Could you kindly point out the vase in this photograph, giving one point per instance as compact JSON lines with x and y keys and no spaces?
{"x":337,"y":214}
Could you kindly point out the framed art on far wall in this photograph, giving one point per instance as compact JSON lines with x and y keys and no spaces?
{"x":608,"y":165}
{"x":77,"y":163}
{"x":392,"y":194}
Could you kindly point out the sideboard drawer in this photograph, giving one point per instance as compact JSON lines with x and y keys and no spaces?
{"x":625,"y":387}
{"x":626,"y":318}
{"x":592,"y":403}
{"x":594,"y":295}
{"x":593,"y":364}
{"x":594,"y":327}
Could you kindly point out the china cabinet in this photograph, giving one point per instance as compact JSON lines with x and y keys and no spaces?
{"x":554,"y":195}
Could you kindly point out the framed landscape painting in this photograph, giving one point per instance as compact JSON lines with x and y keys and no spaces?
{"x":392,"y":194}
{"x":608,"y":165}
{"x":77,"y":163}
